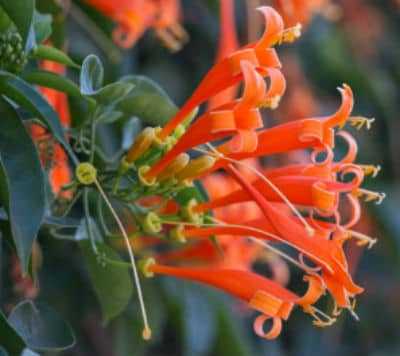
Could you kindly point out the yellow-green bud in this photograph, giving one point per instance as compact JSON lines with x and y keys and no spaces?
{"x":152,"y":223}
{"x":86,"y":173}
{"x":178,"y":234}
{"x":190,"y":214}
{"x":142,"y":143}
{"x":149,"y":182}
{"x":144,"y":266}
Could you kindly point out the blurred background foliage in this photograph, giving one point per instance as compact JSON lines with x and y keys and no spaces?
{"x":361,"y":48}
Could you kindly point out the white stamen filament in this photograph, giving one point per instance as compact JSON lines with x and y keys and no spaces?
{"x":146,"y":329}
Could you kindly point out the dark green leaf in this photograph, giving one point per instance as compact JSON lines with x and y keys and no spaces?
{"x":42,"y":26}
{"x":21,"y":13}
{"x":147,"y":101}
{"x":54,"y":81}
{"x":28,"y":98}
{"x":92,"y":75}
{"x":53,"y":54}
{"x":112,"y":282}
{"x":3,"y":352}
{"x":112,"y":93}
{"x":22,"y":186}
{"x":41,"y":327}
{"x":9,"y":338}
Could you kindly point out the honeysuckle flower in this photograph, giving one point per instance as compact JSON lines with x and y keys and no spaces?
{"x":321,"y":251}
{"x":52,"y":154}
{"x":239,"y":118}
{"x":314,"y":133}
{"x":261,"y":294}
{"x":310,"y":207}
{"x":227,"y":72}
{"x":227,"y":44}
{"x":134,"y":17}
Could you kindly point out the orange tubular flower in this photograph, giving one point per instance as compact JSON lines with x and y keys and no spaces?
{"x":228,"y":72}
{"x":228,"y":43}
{"x":323,"y":252}
{"x":300,"y":134}
{"x":261,"y":294}
{"x":238,"y":118}
{"x":134,"y":17}
{"x":59,"y":170}
{"x":253,"y":209}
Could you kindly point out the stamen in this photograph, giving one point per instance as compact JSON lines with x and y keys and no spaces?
{"x":258,"y":241}
{"x":362,"y":239}
{"x":271,"y":103}
{"x":146,"y":329}
{"x":370,"y":169}
{"x":370,"y":195}
{"x":321,"y":319}
{"x":173,"y":37}
{"x":307,"y":226}
{"x":336,"y":310}
{"x":291,"y":34}
{"x":359,"y":122}
{"x":352,"y":312}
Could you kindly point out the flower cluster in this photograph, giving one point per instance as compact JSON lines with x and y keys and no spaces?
{"x":310,"y":207}
{"x":134,"y":17}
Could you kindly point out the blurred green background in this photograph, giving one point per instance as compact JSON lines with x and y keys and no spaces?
{"x":361,"y":48}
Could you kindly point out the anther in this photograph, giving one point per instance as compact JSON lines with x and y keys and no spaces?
{"x":359,"y":122}
{"x":370,"y":170}
{"x":271,"y":103}
{"x":370,"y":195}
{"x":291,"y":34}
{"x":363,"y":239}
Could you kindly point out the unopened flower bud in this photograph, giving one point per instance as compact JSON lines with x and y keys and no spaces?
{"x":142,"y":143}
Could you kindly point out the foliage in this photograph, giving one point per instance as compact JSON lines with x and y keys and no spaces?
{"x":83,"y":262}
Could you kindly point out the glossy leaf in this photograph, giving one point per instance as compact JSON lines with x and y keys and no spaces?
{"x":54,"y":81}
{"x":53,"y":54}
{"x":9,"y":338}
{"x":21,"y":12}
{"x":111,"y":281}
{"x":147,"y":101}
{"x":22,"y":181}
{"x":41,"y":327}
{"x":92,"y":75}
{"x":112,"y":93}
{"x":28,"y":98}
